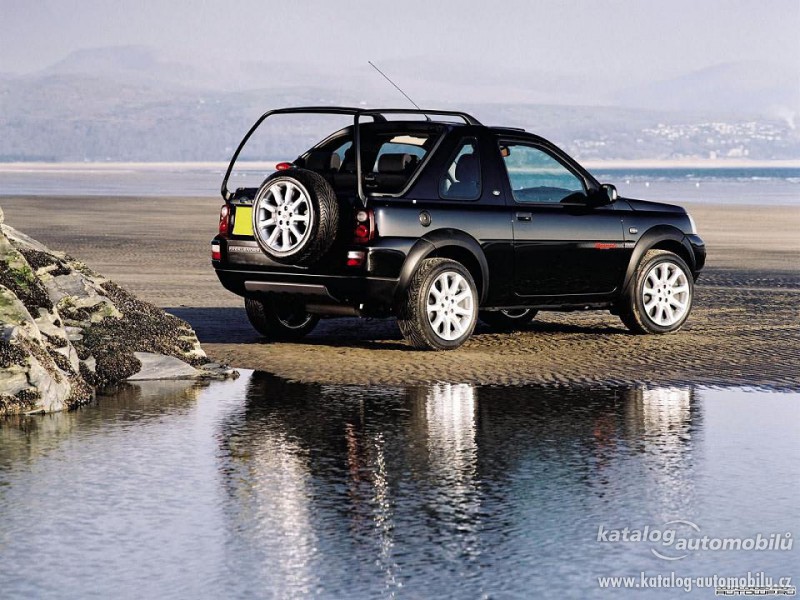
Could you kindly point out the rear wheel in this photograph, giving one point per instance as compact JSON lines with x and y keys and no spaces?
{"x":508,"y":320}
{"x":440,"y":307}
{"x":659,"y":299}
{"x":279,"y":320}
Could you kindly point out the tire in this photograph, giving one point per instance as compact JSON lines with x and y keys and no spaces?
{"x":454,"y":320}
{"x":660,"y":295}
{"x":507,"y":320}
{"x":277,"y":320}
{"x":306,"y":225}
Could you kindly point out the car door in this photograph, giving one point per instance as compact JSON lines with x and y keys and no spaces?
{"x":565,"y":241}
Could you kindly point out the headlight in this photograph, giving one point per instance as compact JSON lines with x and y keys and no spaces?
{"x":692,"y":225}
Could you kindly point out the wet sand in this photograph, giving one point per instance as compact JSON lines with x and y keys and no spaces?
{"x":744,"y":329}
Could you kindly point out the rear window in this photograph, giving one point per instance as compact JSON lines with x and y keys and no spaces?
{"x":390,"y":157}
{"x":403,"y":144}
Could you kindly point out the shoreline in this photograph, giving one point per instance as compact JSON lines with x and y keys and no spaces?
{"x":650,"y":164}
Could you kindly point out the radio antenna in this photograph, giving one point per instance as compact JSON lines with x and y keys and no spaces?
{"x":397,"y":87}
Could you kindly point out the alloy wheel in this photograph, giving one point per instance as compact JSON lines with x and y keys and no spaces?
{"x":666,"y":294}
{"x":283,"y":216}
{"x":450,"y":305}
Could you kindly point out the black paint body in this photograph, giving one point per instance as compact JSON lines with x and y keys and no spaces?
{"x":567,"y":256}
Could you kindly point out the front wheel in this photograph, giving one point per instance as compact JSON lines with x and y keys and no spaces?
{"x":277,"y":320}
{"x":440,"y":308}
{"x":659,"y":299}
{"x":508,"y":320}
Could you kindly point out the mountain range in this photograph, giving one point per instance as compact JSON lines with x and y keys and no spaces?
{"x":129,"y":103}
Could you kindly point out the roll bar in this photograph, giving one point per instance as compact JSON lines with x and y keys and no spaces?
{"x":377,"y":115}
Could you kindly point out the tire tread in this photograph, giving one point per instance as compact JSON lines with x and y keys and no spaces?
{"x":264,"y":320}
{"x":629,"y":310}
{"x":411,"y":320}
{"x":325,"y":204}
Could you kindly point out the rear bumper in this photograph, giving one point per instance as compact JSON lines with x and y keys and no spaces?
{"x":324,"y":294}
{"x":328,"y":287}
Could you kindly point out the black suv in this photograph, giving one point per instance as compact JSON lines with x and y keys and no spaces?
{"x":440,"y":220}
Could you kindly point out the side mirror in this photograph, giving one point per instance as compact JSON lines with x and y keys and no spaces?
{"x":610,"y":191}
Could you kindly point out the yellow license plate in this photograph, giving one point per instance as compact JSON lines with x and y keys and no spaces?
{"x":243,"y":221}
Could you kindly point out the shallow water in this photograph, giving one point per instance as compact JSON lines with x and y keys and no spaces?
{"x":263,"y":488}
{"x":772,"y":186}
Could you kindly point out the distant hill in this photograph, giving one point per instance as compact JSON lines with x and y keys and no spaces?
{"x":744,"y":88}
{"x":125,"y":64}
{"x":127,"y":103}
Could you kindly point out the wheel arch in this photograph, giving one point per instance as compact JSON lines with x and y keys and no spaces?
{"x":447,"y":243}
{"x":660,"y":237}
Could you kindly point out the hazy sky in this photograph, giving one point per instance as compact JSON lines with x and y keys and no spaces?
{"x":641,"y":38}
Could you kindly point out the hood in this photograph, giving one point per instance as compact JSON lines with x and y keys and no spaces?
{"x":647,"y":206}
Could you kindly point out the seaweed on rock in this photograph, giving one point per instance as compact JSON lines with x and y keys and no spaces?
{"x":64,"y":330}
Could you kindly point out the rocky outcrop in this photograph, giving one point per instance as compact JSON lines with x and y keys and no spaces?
{"x":65,"y":330}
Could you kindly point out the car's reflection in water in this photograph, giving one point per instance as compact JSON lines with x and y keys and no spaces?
{"x":382,"y":488}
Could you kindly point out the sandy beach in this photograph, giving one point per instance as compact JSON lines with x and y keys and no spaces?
{"x":744,"y":329}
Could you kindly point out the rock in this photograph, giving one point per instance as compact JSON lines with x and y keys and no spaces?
{"x":21,"y":239}
{"x":74,"y":334}
{"x":31,"y":379}
{"x":90,"y":363}
{"x":73,"y":285}
{"x":65,"y":329}
{"x":75,"y":291}
{"x":217,"y":371}
{"x":158,"y":366}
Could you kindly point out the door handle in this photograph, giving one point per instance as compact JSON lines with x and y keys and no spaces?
{"x":523,"y":216}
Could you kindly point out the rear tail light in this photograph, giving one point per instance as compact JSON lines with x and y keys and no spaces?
{"x":355,"y":258}
{"x":224,"y":220}
{"x":365,"y":229}
{"x":215,"y":251}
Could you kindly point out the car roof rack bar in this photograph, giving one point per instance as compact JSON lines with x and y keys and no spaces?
{"x":327,"y":110}
{"x":466,"y":117}
{"x":376,"y":113}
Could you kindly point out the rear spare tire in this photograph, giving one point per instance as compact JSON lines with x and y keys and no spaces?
{"x":295,"y":217}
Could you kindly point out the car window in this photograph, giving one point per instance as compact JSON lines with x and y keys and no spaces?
{"x":537,"y":177}
{"x":342,"y":149}
{"x":393,"y":146}
{"x":462,"y":179}
{"x":402,"y":144}
{"x":391,"y":155}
